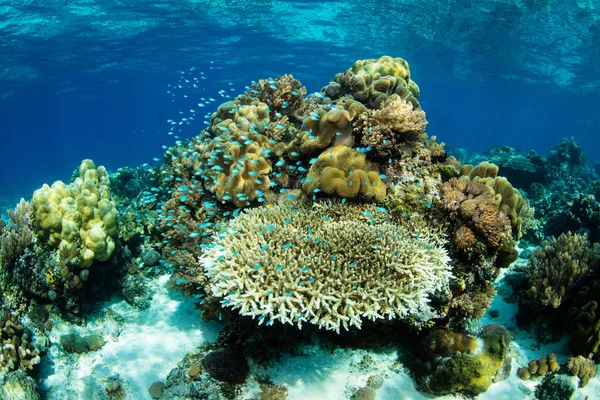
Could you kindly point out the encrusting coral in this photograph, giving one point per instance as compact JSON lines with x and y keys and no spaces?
{"x":294,"y":264}
{"x":80,"y":216}
{"x":459,"y":363}
{"x":343,"y":171}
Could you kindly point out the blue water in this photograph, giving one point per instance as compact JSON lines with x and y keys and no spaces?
{"x":89,"y":79}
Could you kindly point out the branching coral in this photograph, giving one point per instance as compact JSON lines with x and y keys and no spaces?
{"x":283,"y":95}
{"x":345,"y":172}
{"x":295,"y":264}
{"x":394,"y":130}
{"x":554,"y":267}
{"x":17,"y":235}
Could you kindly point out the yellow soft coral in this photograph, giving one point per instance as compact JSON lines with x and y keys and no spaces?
{"x":326,"y":126}
{"x":372,"y":81}
{"x":81,"y":215}
{"x":346,"y":172}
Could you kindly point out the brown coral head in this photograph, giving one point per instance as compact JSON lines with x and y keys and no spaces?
{"x":464,"y":238}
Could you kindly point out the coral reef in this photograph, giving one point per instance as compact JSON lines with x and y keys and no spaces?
{"x":554,"y":267}
{"x":74,"y":343}
{"x":282,"y":263}
{"x":79,"y":217}
{"x":17,"y":385}
{"x":283,"y":95}
{"x":345,"y":172}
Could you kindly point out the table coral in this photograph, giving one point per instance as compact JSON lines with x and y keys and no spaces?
{"x":346,"y":172}
{"x":80,"y":216}
{"x":296,"y":264}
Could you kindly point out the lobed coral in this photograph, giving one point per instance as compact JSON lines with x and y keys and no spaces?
{"x":17,"y":350}
{"x":372,"y":81}
{"x":236,"y":164}
{"x":539,"y":367}
{"x":554,"y":268}
{"x":328,"y":125}
{"x":283,"y":263}
{"x":343,"y":171}
{"x":80,"y":216}
{"x":583,"y":368}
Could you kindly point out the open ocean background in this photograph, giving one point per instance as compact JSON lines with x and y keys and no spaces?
{"x":90,"y":79}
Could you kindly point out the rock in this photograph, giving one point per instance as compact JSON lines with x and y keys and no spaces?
{"x":156,"y":389}
{"x":151,"y":258}
{"x":226,"y":366}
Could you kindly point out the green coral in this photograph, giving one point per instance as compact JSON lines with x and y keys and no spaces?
{"x":78,"y":217}
{"x":469,"y":373}
{"x":346,"y":172}
{"x":282,"y":263}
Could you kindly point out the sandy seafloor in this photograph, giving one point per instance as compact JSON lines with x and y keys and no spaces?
{"x":143,"y":346}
